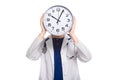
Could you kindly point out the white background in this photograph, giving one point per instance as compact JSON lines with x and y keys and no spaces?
{"x":98,"y":27}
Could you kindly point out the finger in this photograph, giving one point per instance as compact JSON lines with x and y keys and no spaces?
{"x":74,"y":24}
{"x":41,"y":19}
{"x":41,"y":22}
{"x":74,"y":21}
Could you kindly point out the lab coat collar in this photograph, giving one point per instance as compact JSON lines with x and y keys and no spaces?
{"x":65,"y":40}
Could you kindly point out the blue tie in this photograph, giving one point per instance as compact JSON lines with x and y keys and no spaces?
{"x":58,"y":74}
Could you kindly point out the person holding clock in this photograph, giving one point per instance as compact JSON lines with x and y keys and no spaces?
{"x":58,"y":53}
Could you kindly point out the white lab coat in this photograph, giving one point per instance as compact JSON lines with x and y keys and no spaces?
{"x":69,"y":54}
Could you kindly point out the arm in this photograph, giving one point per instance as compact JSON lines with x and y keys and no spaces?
{"x":83,"y":53}
{"x":35,"y":50}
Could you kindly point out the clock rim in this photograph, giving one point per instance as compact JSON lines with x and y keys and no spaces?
{"x":62,"y":7}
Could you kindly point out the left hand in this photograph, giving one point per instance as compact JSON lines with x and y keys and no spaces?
{"x":72,"y":34}
{"x":73,"y":26}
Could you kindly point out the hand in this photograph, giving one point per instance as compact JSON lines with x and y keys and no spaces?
{"x":73,"y":26}
{"x":41,"y":24}
{"x":41,"y":35}
{"x":72,"y":34}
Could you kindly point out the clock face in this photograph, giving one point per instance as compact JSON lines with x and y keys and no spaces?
{"x":58,"y":20}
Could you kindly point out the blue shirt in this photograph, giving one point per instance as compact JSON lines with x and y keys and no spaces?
{"x":58,"y":74}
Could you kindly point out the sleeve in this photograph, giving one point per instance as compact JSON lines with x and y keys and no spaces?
{"x":83,"y":53}
{"x":35,"y":49}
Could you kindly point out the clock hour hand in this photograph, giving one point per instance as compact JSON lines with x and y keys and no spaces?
{"x":55,"y":18}
{"x":60,"y":15}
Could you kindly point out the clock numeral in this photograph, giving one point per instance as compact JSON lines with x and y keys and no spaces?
{"x":67,"y":15}
{"x":52,"y":28}
{"x":49,"y":14}
{"x":66,"y":25}
{"x":49,"y":24}
{"x":68,"y":20}
{"x":57,"y":30}
{"x":63,"y":28}
{"x":48,"y":19}
{"x":58,"y":9}
{"x":53,"y":11}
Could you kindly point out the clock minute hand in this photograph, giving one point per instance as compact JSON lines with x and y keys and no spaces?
{"x":60,"y":15}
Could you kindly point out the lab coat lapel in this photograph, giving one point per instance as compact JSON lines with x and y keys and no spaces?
{"x":49,"y":45}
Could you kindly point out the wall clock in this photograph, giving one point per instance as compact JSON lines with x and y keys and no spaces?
{"x":58,"y":20}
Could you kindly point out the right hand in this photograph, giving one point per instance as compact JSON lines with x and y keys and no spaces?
{"x":42,"y":25}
